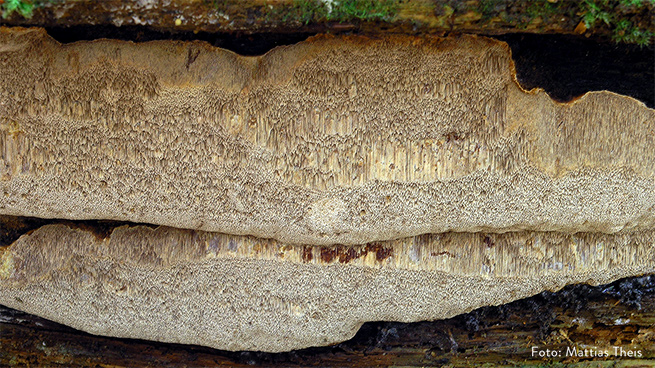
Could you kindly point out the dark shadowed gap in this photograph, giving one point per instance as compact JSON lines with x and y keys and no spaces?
{"x":13,"y":227}
{"x":241,"y":43}
{"x":567,"y":66}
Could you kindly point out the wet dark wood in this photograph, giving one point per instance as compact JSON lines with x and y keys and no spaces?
{"x":620,"y":315}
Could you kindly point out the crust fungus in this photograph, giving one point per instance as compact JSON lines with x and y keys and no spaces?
{"x":306,"y":191}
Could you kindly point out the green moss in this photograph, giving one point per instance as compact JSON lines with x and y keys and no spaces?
{"x":22,"y":7}
{"x":344,"y":10}
{"x":486,"y":8}
{"x":615,"y":15}
{"x":306,"y":11}
{"x":636,"y":3}
{"x":301,"y":11}
{"x":594,"y":11}
{"x":626,"y":32}
{"x":311,"y":11}
{"x":542,"y":8}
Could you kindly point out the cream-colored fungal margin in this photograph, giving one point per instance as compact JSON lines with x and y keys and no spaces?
{"x":336,"y":140}
{"x":245,"y":293}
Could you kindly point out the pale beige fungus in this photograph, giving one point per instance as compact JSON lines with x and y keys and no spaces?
{"x":322,"y":185}
{"x":331,"y":141}
{"x":245,"y":293}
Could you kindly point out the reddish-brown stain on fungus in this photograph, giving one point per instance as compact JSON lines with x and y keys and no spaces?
{"x":307,"y":254}
{"x":453,"y":136}
{"x":488,"y":242}
{"x":381,"y":253}
{"x":328,"y":254}
{"x":345,"y":254}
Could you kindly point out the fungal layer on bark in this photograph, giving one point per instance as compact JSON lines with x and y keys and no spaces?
{"x":336,"y":140}
{"x":306,"y":191}
{"x":236,"y":292}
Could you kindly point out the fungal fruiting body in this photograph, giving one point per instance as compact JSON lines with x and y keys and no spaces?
{"x":306,"y":191}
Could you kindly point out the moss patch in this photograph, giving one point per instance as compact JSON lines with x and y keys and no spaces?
{"x":21,"y":7}
{"x":314,"y":11}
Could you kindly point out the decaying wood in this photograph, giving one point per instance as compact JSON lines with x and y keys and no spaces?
{"x":315,"y":16}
